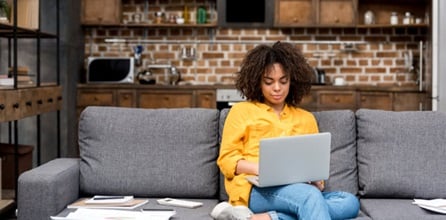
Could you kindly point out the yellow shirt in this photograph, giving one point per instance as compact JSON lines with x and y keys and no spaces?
{"x":245,"y":125}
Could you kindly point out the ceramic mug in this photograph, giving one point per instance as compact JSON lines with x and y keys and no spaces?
{"x":339,"y":81}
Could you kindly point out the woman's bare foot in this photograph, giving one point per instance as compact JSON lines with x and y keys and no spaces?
{"x":261,"y":216}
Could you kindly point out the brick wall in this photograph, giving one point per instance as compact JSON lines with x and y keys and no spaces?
{"x":377,"y":57}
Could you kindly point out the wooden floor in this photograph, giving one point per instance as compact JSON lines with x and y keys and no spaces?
{"x":7,"y":205}
{"x":7,"y":208}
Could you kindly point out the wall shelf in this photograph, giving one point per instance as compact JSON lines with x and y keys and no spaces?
{"x":147,"y":25}
{"x":7,"y":31}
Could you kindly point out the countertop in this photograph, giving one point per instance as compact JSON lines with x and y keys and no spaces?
{"x":228,"y":86}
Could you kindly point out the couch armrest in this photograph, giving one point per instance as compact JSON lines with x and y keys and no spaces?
{"x":46,"y":190}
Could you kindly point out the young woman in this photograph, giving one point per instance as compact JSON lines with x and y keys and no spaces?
{"x":274,"y":80}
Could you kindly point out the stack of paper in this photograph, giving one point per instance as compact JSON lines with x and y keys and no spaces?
{"x":108,"y":202}
{"x":109,"y":199}
{"x":100,"y":214}
{"x":435,"y":205}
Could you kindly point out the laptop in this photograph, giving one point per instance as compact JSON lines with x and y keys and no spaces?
{"x":293,"y":159}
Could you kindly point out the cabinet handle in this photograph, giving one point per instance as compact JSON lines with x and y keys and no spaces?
{"x":95,"y":98}
{"x":39,"y":101}
{"x":166,"y":98}
{"x":336,"y":20}
{"x":29,"y":103}
{"x":15,"y":105}
{"x":59,"y":98}
{"x":295,"y":20}
{"x":50,"y":100}
{"x":337,"y":99}
{"x":363,"y":99}
{"x":2,"y":106}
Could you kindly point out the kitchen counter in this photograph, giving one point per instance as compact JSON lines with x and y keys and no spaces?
{"x":321,"y":97}
{"x":228,"y":86}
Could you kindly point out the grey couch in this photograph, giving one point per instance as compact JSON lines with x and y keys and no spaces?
{"x":386,"y":158}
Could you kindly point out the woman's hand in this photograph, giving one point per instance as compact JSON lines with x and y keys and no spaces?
{"x":246,"y":167}
{"x":318,"y":184}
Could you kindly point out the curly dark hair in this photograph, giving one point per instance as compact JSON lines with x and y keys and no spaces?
{"x":260,"y":60}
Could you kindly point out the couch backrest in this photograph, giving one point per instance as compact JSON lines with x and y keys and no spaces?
{"x":401,"y":154}
{"x":343,"y":166}
{"x":149,"y":152}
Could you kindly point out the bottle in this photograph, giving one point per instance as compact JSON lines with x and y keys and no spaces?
{"x":186,"y":15}
{"x":394,"y":18}
{"x":201,"y":15}
{"x":369,"y":17}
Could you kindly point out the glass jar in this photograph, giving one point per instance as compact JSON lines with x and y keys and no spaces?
{"x":369,"y":17}
{"x":159,"y":17}
{"x":394,"y":18}
{"x":408,"y":18}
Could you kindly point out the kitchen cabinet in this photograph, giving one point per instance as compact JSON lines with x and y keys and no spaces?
{"x":356,"y":97}
{"x":126,"y":98}
{"x":165,"y":99}
{"x":145,"y":96}
{"x":336,"y":99}
{"x":375,"y":100}
{"x":294,"y":13}
{"x":411,"y":101}
{"x":337,"y":12}
{"x":106,"y":97}
{"x":206,"y":98}
{"x":101,"y":11}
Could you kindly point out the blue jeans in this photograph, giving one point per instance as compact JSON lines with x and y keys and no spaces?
{"x":303,"y":201}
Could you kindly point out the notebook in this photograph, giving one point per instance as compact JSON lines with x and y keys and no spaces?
{"x":293,"y":159}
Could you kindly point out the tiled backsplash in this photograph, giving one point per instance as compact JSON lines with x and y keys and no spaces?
{"x":377,"y":56}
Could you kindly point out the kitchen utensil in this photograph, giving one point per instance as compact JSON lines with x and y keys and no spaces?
{"x":175,"y":76}
{"x":137,"y":54}
{"x":408,"y":60}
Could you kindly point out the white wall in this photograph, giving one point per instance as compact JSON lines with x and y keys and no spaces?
{"x":439,"y":55}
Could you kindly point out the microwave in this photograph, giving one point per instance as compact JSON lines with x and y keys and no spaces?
{"x":110,"y":70}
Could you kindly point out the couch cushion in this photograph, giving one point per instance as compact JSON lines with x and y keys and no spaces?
{"x":223,"y":196}
{"x":149,"y":152}
{"x":343,"y":168}
{"x":401,"y":154}
{"x":396,"y":209}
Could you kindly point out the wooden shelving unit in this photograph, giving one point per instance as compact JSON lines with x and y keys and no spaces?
{"x":18,"y":101}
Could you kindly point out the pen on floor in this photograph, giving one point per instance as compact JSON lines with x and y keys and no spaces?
{"x":108,"y":197}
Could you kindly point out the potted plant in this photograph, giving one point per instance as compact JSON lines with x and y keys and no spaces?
{"x":5,"y":11}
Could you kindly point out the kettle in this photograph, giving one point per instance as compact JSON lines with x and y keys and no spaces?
{"x":319,"y":76}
